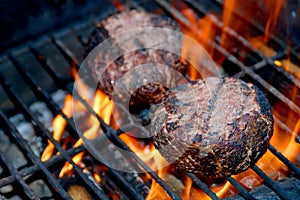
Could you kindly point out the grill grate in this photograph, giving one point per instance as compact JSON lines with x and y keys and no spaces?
{"x":68,"y":44}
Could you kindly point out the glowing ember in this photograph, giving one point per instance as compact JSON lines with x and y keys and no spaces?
{"x":97,"y":177}
{"x":259,"y":44}
{"x":288,"y":66}
{"x":278,"y":63}
{"x":118,"y":5}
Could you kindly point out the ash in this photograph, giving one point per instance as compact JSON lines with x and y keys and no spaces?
{"x":27,"y":131}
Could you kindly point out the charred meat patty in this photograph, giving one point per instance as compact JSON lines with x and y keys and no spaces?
{"x":214,"y":127}
{"x":107,"y":73}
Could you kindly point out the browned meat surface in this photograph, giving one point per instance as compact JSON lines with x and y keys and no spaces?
{"x":214,"y":127}
{"x":106,"y":73}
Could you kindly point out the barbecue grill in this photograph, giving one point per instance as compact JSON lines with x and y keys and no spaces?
{"x":38,"y":71}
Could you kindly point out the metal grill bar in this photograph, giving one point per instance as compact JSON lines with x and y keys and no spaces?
{"x":246,"y":43}
{"x":22,"y":143}
{"x":33,"y":169}
{"x":111,"y":134}
{"x":43,"y":62}
{"x":122,"y":182}
{"x":203,"y":187}
{"x":46,"y":98}
{"x":261,"y":81}
{"x":230,"y":57}
{"x":25,"y":148}
{"x":271,"y":184}
{"x":175,"y":13}
{"x":285,"y":161}
{"x":42,"y":94}
{"x":30,"y":194}
{"x":61,"y":82}
{"x":244,"y":193}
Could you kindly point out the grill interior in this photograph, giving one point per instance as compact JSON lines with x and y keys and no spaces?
{"x":31,"y":76}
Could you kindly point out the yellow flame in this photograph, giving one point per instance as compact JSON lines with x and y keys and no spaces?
{"x":97,"y":177}
{"x":278,"y":63}
{"x":103,"y":107}
{"x":274,"y":8}
{"x":59,"y":124}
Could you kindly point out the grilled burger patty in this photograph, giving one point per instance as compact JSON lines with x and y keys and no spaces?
{"x":214,"y":127}
{"x":106,"y":73}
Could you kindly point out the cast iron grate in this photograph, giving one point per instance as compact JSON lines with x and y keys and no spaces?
{"x":67,"y":45}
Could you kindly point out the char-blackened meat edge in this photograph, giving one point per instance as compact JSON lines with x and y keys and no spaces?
{"x":124,"y":22}
{"x":217,"y":127}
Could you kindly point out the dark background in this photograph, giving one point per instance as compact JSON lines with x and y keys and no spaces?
{"x":22,"y":20}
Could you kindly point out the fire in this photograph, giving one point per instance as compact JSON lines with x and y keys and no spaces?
{"x":293,"y":147}
{"x":59,"y":124}
{"x":102,"y":106}
{"x":273,"y":7}
{"x":229,"y":7}
{"x":204,"y":32}
{"x":97,"y":177}
{"x":288,"y":66}
{"x":201,"y":30}
{"x":259,"y":44}
{"x":118,"y":4}
{"x":101,"y":103}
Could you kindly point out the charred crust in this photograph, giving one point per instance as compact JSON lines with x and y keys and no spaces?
{"x":171,"y":102}
{"x":197,"y":138}
{"x":97,"y":36}
{"x":263,"y":102}
{"x":112,"y":25}
{"x":216,"y":153}
{"x":171,"y":126}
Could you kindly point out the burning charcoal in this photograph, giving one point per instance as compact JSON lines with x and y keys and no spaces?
{"x":150,"y":92}
{"x":213,"y":127}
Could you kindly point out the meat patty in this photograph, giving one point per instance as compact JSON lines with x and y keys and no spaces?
{"x":214,"y":127}
{"x":107,"y":73}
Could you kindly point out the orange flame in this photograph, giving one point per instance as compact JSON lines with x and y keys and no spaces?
{"x":288,"y":66}
{"x":229,"y":7}
{"x":103,"y":107}
{"x":97,"y":177}
{"x":273,"y":8}
{"x":59,"y":124}
{"x":203,"y":31}
{"x":118,"y":5}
